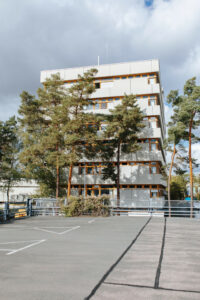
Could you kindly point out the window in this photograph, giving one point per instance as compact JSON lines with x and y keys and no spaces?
{"x":96,"y":193}
{"x":96,"y":170}
{"x":107,"y":79}
{"x":89,"y":192}
{"x":105,"y":192}
{"x":153,"y":124}
{"x":151,"y":80}
{"x":81,"y":170}
{"x":90,"y":106}
{"x":153,"y":170}
{"x":97,"y":85}
{"x":103,"y":126}
{"x":96,"y":105}
{"x":89,"y":170}
{"x":103,"y":105}
{"x":153,"y":147}
{"x":152,"y":102}
{"x":154,"y":193}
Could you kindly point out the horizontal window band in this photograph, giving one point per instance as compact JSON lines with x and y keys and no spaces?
{"x":113,"y":186}
{"x":151,"y":75}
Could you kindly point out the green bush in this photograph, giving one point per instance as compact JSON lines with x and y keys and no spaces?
{"x":74,"y":207}
{"x":94,"y":206}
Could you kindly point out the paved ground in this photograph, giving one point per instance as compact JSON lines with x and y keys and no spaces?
{"x":103,"y":258}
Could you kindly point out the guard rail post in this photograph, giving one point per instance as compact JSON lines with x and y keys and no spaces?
{"x":6,"y":211}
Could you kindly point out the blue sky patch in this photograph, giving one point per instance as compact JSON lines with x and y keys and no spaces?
{"x":148,"y":3}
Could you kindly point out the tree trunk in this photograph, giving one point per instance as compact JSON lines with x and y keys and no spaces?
{"x":8,"y":193}
{"x":57,"y":174}
{"x":69,"y":181}
{"x":57,"y":181}
{"x":118,"y":175}
{"x":169,"y":180}
{"x":190,"y":164}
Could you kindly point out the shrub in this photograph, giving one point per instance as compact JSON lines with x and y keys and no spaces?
{"x":74,"y":207}
{"x":94,"y":206}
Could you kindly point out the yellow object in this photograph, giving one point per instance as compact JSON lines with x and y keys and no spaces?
{"x":21,"y":213}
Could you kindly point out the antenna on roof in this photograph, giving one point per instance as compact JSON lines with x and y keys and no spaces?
{"x":98,"y":60}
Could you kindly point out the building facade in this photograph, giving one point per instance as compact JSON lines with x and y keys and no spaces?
{"x":141,"y":182}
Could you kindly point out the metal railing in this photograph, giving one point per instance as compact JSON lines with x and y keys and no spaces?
{"x":46,"y":211}
{"x":179,"y":208}
{"x":32,"y":207}
{"x":14,"y":209}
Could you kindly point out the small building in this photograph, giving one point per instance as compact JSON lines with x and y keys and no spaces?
{"x":19,"y":190}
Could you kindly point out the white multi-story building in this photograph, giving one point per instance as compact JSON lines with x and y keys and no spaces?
{"x":141,"y":182}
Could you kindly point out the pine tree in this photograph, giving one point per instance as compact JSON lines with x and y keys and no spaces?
{"x":176,"y":132}
{"x":9,"y":147}
{"x":81,"y":129}
{"x":189,"y":114}
{"x":55,"y":114}
{"x":56,"y":130}
{"x":123,"y":126}
{"x":178,"y":187}
{"x":41,"y":121}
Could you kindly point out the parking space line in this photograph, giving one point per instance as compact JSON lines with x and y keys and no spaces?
{"x":6,"y":250}
{"x":51,"y":231}
{"x":26,"y":247}
{"x":91,"y":221}
{"x":16,"y":242}
{"x":151,"y":287}
{"x":74,"y":228}
{"x":17,"y":226}
{"x":56,"y":227}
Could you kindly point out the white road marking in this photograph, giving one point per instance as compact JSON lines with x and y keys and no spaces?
{"x":6,"y":250}
{"x":56,"y":227}
{"x":26,"y":247}
{"x":51,"y":231}
{"x":74,"y":228}
{"x":91,"y":221}
{"x":17,"y":226}
{"x":18,"y":242}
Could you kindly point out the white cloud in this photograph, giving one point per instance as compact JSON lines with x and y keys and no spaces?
{"x":168,"y":113}
{"x":64,"y":33}
{"x":196,"y":152}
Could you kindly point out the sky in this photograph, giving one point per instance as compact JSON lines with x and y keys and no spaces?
{"x":38,"y":35}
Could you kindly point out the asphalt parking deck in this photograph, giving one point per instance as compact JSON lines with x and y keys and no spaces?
{"x":100,"y":258}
